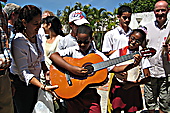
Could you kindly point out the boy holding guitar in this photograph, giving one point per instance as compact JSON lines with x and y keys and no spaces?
{"x":88,"y":100}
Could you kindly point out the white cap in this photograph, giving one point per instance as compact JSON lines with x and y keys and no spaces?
{"x":79,"y":17}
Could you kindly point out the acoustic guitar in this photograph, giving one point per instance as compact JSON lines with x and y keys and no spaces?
{"x":71,"y":85}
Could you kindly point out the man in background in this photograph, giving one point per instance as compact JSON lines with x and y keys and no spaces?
{"x":118,"y":37}
{"x":12,"y":10}
{"x":6,"y":103}
{"x":158,"y":31}
{"x":47,"y":13}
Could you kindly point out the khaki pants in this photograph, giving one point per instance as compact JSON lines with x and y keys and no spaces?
{"x":157,"y":88}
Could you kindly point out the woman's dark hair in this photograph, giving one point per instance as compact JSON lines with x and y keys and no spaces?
{"x":55,"y":24}
{"x":28,"y":12}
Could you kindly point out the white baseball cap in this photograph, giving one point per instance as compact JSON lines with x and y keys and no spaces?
{"x":78,"y":17}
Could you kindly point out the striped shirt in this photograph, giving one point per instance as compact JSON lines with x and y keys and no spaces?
{"x":5,"y":59}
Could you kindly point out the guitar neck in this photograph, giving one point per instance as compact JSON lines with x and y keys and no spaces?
{"x":105,"y":64}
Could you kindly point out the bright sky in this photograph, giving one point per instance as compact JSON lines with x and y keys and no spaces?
{"x":54,"y":5}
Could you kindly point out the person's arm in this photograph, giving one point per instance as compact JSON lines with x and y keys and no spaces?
{"x":146,"y":72}
{"x":109,"y":53}
{"x":107,"y":44}
{"x":124,"y":68}
{"x":59,"y":61}
{"x":35,"y":82}
{"x":44,"y":67}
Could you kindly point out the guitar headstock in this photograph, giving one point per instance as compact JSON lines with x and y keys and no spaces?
{"x":147,"y":52}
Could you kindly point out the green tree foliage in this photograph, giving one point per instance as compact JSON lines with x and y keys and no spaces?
{"x":3,"y":4}
{"x":139,"y":6}
{"x":100,"y":19}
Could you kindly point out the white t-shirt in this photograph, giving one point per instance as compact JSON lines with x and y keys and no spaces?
{"x":51,"y":48}
{"x":67,"y":41}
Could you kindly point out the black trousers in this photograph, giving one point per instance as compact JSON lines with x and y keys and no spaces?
{"x":25,"y":97}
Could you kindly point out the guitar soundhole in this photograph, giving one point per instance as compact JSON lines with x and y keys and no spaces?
{"x":90,"y":68}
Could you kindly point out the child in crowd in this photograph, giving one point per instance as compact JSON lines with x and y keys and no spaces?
{"x":125,"y":93}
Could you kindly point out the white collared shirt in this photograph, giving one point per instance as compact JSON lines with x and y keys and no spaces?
{"x":115,"y":39}
{"x":156,"y":39}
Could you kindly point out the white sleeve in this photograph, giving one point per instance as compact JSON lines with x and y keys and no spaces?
{"x":107,"y":42}
{"x":60,"y":45}
{"x":145,"y":63}
{"x":66,"y":52}
{"x":20,"y":56}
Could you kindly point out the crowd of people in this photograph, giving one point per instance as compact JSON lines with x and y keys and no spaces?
{"x":31,"y":41}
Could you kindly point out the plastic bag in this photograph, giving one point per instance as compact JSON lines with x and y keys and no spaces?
{"x":44,"y":103}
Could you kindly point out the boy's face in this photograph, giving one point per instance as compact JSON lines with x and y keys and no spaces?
{"x":83,"y":41}
{"x":125,"y":19}
{"x":135,"y":41}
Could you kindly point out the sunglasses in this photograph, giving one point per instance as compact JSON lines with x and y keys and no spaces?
{"x":158,"y":10}
{"x":84,"y":42}
{"x":125,"y":17}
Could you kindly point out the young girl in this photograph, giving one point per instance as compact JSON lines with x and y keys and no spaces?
{"x":122,"y":95}
{"x":53,"y":27}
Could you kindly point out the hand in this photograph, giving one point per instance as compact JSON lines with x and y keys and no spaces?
{"x":5,"y":64}
{"x":137,"y":58}
{"x":47,"y":88}
{"x":122,"y":76}
{"x":145,"y":80}
{"x":146,"y":72}
{"x":51,"y":89}
{"x":78,"y":71}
